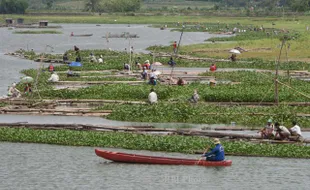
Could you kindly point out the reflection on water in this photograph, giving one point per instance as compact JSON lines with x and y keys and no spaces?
{"x":39,"y":166}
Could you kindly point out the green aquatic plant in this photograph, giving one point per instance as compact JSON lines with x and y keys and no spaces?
{"x":208,"y":114}
{"x":170,"y":143}
{"x":3,"y":104}
{"x":253,"y":87}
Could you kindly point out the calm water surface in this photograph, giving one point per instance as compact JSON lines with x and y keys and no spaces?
{"x":40,"y":166}
{"x":59,"y":43}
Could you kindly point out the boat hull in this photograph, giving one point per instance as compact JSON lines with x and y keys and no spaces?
{"x":141,"y":159}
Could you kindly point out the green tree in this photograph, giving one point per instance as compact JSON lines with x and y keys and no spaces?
{"x":300,"y":5}
{"x":121,"y":5}
{"x":49,"y":4}
{"x":13,"y":6}
{"x":92,"y":5}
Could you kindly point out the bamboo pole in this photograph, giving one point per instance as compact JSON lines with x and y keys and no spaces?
{"x":139,"y":129}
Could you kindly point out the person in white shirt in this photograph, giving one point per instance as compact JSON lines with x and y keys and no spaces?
{"x":13,"y":91}
{"x":282,"y":131}
{"x":126,"y":67}
{"x":296,"y":132}
{"x":54,"y":77}
{"x":152,"y":97}
{"x":92,"y":58}
{"x":100,"y":60}
{"x":153,"y":77}
{"x":195,"y":97}
{"x":153,"y":74}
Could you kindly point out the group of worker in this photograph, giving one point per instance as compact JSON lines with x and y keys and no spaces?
{"x":93,"y":58}
{"x":13,"y":92}
{"x":152,"y":98}
{"x":272,"y":131}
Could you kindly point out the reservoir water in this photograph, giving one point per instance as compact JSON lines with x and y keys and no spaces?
{"x":41,"y":166}
{"x":59,"y":43}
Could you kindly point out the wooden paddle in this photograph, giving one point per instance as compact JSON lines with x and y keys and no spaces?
{"x":206,"y":150}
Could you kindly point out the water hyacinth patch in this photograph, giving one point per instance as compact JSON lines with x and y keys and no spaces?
{"x":173,"y":143}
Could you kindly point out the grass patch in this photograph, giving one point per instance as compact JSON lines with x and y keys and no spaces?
{"x":265,"y":48}
{"x":171,"y":143}
{"x":63,"y":77}
{"x":208,"y":114}
{"x":254,"y":87}
{"x":3,"y":104}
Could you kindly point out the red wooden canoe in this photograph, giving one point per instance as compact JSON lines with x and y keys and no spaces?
{"x":141,"y":159}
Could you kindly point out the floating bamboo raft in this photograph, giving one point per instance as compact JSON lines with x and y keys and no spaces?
{"x":150,"y":130}
{"x":25,"y":102}
{"x":62,"y":112}
{"x":21,"y":101}
{"x":96,"y":82}
{"x":47,"y":60}
{"x":190,"y":58}
{"x":35,"y":26}
{"x":300,"y":75}
{"x":81,"y":35}
{"x":107,"y":76}
{"x":121,"y":36}
{"x":92,"y":71}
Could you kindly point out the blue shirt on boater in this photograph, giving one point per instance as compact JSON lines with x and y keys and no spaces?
{"x":216,"y":154}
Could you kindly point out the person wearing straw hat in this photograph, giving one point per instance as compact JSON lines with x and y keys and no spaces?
{"x":13,"y":91}
{"x":268,"y":131}
{"x":212,"y":82}
{"x":233,"y":57}
{"x":215,"y":154}
{"x":147,"y":64}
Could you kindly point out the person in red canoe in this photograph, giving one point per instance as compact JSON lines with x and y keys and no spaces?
{"x":216,"y":153}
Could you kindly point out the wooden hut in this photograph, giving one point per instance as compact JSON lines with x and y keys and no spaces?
{"x":9,"y":21}
{"x":20,"y":21}
{"x":43,"y":23}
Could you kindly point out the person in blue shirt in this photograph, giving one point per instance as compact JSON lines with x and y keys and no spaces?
{"x":171,"y":62}
{"x":217,"y":153}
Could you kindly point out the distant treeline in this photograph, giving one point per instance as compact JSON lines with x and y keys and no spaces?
{"x":13,"y":6}
{"x":107,"y":6}
{"x":294,"y":5}
{"x":102,"y":6}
